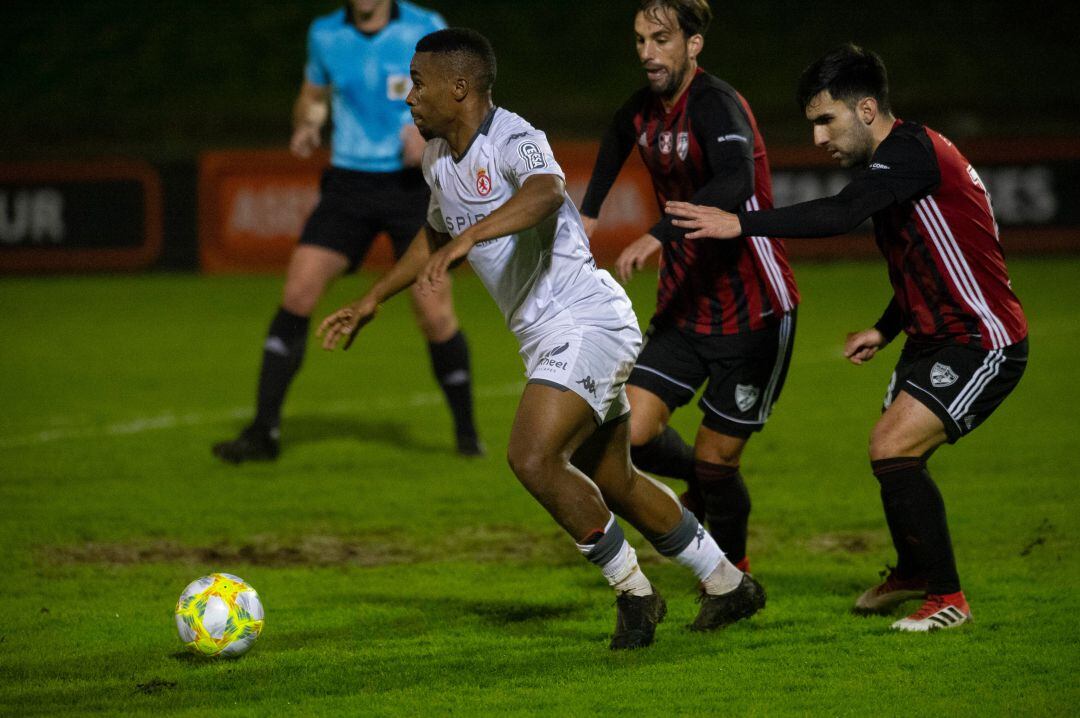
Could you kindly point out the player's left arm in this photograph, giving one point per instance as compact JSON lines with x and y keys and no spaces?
{"x":900,"y":170}
{"x":861,"y":346}
{"x":539,"y":197}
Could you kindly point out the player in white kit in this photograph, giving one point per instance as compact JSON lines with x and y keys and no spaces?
{"x":499,"y":199}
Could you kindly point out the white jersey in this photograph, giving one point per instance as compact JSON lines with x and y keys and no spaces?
{"x":542,"y":278}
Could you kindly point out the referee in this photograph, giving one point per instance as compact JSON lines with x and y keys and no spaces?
{"x":358,"y":69}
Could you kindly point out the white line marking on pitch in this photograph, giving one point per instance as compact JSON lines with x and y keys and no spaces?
{"x":170,"y":420}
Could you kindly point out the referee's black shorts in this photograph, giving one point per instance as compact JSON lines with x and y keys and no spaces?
{"x":355,"y":206}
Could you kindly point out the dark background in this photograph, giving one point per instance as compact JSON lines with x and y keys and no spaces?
{"x":163,"y":80}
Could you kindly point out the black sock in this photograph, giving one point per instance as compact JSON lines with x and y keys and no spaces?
{"x":450,"y":362}
{"x":727,"y":506}
{"x":915,"y":513}
{"x":282,"y":354}
{"x":666,"y":455}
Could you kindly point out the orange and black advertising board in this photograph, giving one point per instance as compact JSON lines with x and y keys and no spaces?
{"x":79,"y":217}
{"x":253,"y":204}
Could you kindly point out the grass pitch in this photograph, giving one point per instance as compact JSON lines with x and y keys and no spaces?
{"x":400,"y":579}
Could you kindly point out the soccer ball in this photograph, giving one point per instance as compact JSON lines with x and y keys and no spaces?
{"x":219,"y":615}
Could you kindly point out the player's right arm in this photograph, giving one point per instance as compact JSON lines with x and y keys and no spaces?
{"x":614,"y":149}
{"x":310,"y":112}
{"x":347,"y":321}
{"x":312,"y":106}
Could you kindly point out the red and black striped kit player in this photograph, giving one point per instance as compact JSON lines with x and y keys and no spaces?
{"x":966,"y":333}
{"x":725,"y":311}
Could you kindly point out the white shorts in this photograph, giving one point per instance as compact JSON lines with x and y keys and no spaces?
{"x":593,"y":363}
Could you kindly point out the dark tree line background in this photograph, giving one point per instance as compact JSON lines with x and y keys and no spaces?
{"x":164,"y":79}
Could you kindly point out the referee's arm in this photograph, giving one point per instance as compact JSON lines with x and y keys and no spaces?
{"x":310,"y":112}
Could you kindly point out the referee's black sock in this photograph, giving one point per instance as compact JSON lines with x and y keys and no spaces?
{"x":915,"y":513}
{"x":450,"y":362}
{"x":283,"y":353}
{"x":666,"y":455}
{"x":727,"y":506}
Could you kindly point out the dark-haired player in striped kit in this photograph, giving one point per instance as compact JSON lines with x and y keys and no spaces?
{"x":967,"y":336}
{"x":725,"y":311}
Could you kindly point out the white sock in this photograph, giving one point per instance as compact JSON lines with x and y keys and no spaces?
{"x":701,"y":555}
{"x":622,"y":571}
{"x":725,"y":578}
{"x":624,"y":574}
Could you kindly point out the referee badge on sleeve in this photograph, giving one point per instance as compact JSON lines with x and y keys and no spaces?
{"x":398,"y":86}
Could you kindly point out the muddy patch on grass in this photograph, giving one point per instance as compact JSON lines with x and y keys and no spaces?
{"x":481,"y":544}
{"x":154,"y":685}
{"x":856,"y":542}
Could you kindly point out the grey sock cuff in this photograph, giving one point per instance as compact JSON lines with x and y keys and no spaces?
{"x":608,"y":546}
{"x":674,"y":541}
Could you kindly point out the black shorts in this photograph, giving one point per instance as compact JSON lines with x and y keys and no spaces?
{"x":961,"y":384}
{"x":745,"y":372}
{"x":355,"y":206}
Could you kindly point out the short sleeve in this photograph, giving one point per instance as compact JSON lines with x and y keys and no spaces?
{"x":903,"y":166}
{"x":437,"y":22}
{"x":526,"y":153}
{"x":315,"y":71}
{"x":435,"y":217}
{"x":427,"y":165}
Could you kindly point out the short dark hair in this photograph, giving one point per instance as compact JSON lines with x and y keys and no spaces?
{"x":849,"y":73}
{"x":694,"y":15}
{"x":470,"y":52}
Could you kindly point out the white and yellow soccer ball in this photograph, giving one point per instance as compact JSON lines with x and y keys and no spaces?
{"x":219,"y":615}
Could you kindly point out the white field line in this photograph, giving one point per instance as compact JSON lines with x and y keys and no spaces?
{"x":171,"y":420}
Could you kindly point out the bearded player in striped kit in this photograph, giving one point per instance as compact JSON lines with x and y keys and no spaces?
{"x":966,"y":343}
{"x":725,"y":312}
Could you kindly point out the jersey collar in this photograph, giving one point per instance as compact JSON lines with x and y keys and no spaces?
{"x":681,"y":102}
{"x":395,"y":13}
{"x":481,"y":130}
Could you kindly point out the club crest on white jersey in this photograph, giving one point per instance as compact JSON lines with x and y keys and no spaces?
{"x":543,"y":277}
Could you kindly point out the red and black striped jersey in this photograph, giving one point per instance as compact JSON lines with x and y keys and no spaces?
{"x":934,"y":224}
{"x":706,"y":149}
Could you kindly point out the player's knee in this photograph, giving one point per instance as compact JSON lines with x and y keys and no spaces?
{"x":526,"y":462}
{"x":886,"y":445}
{"x":722,"y":456}
{"x":301,"y":296}
{"x":530,"y":465}
{"x":437,"y":327}
{"x":644,"y":428}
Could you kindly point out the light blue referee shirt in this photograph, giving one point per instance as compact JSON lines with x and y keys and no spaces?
{"x":369,"y":77}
